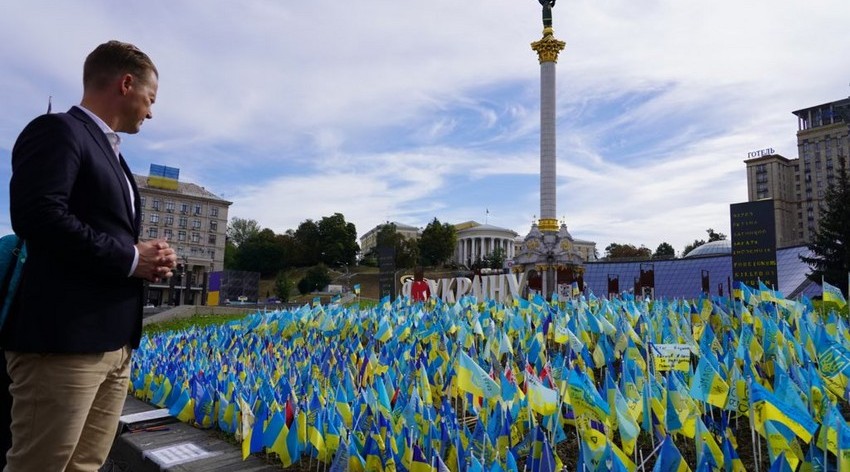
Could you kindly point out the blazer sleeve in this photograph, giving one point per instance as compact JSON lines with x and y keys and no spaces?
{"x":47,"y":160}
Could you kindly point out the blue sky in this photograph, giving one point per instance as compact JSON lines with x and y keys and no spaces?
{"x":415,"y":109}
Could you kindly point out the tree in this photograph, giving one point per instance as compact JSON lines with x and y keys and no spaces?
{"x":626,"y":251}
{"x":407,"y":253}
{"x":230,"y":254}
{"x":690,"y":247}
{"x":712,"y":236}
{"x":283,"y":286}
{"x":437,"y":243}
{"x":261,"y":253}
{"x":496,"y":259}
{"x":664,"y":251}
{"x":406,"y":250}
{"x":316,"y":278}
{"x":308,"y":244}
{"x":240,"y":230}
{"x":338,"y":241}
{"x":715,"y":236}
{"x":830,"y":248}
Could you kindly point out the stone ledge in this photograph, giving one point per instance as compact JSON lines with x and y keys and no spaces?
{"x":131,"y":450}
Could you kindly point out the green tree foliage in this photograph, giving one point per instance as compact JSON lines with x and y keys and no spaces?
{"x":496,"y":259}
{"x":308,"y":244}
{"x":261,"y":253}
{"x":407,"y":255}
{"x":240,"y":230}
{"x":712,"y":236}
{"x":230,"y":251}
{"x":690,"y":247}
{"x":626,"y":251}
{"x":831,"y":245}
{"x":406,"y":250}
{"x":338,"y":241}
{"x":437,"y":243}
{"x":283,"y":286}
{"x":664,"y":251}
{"x":316,"y":278}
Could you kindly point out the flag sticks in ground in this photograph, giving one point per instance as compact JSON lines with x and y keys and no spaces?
{"x":756,"y":443}
{"x":651,"y":454}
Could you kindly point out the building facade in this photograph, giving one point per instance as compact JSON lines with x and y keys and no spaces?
{"x":798,"y":186}
{"x":476,"y":241}
{"x":369,"y":241}
{"x":194,"y":221}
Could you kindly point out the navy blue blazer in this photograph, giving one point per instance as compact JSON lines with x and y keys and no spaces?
{"x":71,"y":203}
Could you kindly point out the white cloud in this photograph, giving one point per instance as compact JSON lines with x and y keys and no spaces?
{"x":410,"y":110}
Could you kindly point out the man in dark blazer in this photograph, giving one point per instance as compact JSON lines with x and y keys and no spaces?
{"x":78,"y":314}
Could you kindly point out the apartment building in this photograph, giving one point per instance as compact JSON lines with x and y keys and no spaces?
{"x":194,"y":221}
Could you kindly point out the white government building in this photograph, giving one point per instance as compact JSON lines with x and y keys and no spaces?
{"x":475,"y":241}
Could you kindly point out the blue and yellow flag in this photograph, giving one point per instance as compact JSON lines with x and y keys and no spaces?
{"x":473,"y":379}
{"x":833,"y":294}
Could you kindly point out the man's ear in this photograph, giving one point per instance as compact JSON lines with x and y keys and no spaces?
{"x":127,"y":82}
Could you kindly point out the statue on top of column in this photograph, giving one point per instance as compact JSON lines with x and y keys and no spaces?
{"x":547,"y":12}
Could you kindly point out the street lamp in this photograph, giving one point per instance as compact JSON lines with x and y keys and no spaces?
{"x":183,"y":281}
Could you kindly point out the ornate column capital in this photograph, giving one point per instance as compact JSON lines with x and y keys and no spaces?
{"x":548,"y":47}
{"x":548,"y":224}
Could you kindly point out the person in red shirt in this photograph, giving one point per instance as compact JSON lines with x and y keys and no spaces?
{"x":419,"y":291}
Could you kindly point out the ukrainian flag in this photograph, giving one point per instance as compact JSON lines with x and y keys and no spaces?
{"x":769,"y":407}
{"x":473,"y":379}
{"x":833,"y":294}
{"x":541,"y":399}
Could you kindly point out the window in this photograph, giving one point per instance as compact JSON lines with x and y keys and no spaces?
{"x":152,"y":232}
{"x":169,"y":207}
{"x":166,"y":233}
{"x":183,"y":222}
{"x":184,"y":208}
{"x":212,"y":253}
{"x":169,"y":220}
{"x":214,"y":212}
{"x":155,"y":204}
{"x":196,"y":237}
{"x":213,"y":225}
{"x":154,"y":218}
{"x":142,"y":201}
{"x":196,"y":223}
{"x":181,"y":235}
{"x":211,"y":239}
{"x":197,"y":208}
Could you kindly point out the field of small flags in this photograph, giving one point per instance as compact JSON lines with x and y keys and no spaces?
{"x":758,"y":382}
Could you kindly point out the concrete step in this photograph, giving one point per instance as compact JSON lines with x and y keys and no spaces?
{"x":170,"y":445}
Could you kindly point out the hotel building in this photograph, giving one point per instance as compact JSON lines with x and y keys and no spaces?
{"x":798,"y":186}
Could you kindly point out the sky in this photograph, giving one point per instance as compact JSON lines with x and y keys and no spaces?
{"x":412,"y":110}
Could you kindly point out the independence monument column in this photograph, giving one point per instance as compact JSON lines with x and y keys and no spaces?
{"x":548,"y":256}
{"x":547,"y":50}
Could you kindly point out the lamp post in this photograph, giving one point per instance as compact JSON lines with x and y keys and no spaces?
{"x":183,"y":284}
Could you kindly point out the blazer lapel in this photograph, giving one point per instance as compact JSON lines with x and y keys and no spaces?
{"x":137,"y":210}
{"x":118,"y":166}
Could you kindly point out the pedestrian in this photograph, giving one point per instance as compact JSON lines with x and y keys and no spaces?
{"x":419,"y":290}
{"x":78,"y":312}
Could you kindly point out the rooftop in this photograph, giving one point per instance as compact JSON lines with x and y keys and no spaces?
{"x":183,"y":188}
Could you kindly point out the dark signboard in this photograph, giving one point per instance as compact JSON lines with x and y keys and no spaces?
{"x":753,"y":243}
{"x":386,"y":271}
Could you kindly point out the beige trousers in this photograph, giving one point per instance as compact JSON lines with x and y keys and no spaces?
{"x":65,"y":409}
